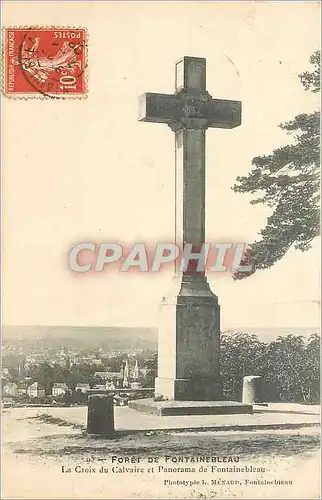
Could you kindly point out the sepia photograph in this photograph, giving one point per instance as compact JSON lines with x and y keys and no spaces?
{"x":160,"y":220}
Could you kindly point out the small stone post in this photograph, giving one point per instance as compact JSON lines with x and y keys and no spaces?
{"x":100,"y":415}
{"x":253,"y":389}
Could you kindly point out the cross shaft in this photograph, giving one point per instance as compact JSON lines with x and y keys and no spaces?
{"x":189,"y":112}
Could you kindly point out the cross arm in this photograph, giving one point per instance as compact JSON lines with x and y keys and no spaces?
{"x":182,"y":107}
{"x":159,"y":108}
{"x":223,"y":113}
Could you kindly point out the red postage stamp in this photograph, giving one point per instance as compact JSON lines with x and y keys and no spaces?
{"x":45,"y":62}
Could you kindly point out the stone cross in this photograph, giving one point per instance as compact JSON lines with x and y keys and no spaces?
{"x":188,"y":357}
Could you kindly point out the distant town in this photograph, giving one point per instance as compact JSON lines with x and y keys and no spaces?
{"x":38,"y":374}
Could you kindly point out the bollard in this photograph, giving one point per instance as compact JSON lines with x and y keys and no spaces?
{"x":100,"y":415}
{"x":252,"y":389}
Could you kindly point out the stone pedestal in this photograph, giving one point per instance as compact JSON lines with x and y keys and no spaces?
{"x":188,"y":344}
{"x":100,"y":415}
{"x":181,"y":408}
{"x":253,"y":389}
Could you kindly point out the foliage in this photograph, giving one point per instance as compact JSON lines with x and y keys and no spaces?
{"x":290,"y":366}
{"x":47,"y":375}
{"x":240,"y":354}
{"x":115,"y":363}
{"x":287,"y":181}
{"x":67,"y":398}
{"x":151,"y":365}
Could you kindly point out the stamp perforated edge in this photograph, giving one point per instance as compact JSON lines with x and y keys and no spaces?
{"x":25,"y":97}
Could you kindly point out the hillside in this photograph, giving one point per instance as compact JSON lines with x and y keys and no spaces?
{"x":94,"y":337}
{"x":82,"y":336}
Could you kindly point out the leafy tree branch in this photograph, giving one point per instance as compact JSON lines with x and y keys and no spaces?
{"x":287,"y":181}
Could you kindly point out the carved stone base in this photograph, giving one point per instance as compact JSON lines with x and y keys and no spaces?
{"x":188,"y":345}
{"x":193,"y":389}
{"x":176,"y":408}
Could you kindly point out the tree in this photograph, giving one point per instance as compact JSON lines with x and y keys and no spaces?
{"x":287,"y":181}
{"x":45,"y":375}
{"x":289,"y":365}
{"x":312,"y":368}
{"x":284,"y":370}
{"x":240,"y":355}
{"x":67,"y":398}
{"x":83,"y":374}
{"x":151,"y":366}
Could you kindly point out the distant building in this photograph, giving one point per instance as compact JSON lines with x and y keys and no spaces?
{"x":126,"y":375}
{"x":82,"y":388}
{"x":136,"y":371}
{"x":99,"y":387}
{"x":143,"y":372}
{"x":86,"y":360}
{"x":35,"y":390}
{"x":22,"y":388}
{"x":90,"y":360}
{"x":10,"y":389}
{"x":112,"y":377}
{"x":97,"y":362}
{"x":59,"y":389}
{"x":21,"y":369}
{"x":7,"y":401}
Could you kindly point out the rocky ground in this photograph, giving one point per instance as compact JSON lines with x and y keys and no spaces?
{"x":47,"y":455}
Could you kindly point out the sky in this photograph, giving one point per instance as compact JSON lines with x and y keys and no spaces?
{"x":87,"y":170}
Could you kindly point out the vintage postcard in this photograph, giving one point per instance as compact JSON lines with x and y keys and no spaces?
{"x":160,"y":243}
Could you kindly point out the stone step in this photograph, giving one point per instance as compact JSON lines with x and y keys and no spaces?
{"x":167,"y":408}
